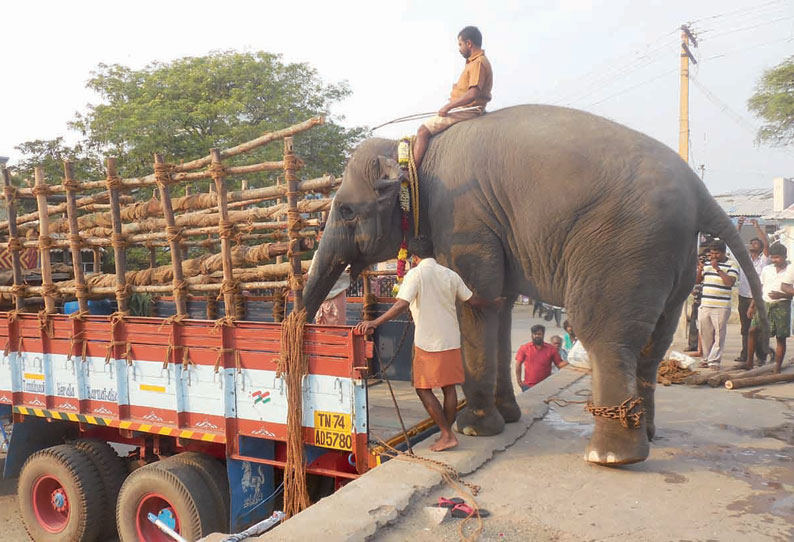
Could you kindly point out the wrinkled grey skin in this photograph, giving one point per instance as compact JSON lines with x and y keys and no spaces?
{"x":551,"y":203}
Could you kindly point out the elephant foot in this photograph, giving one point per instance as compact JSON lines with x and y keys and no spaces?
{"x":613,"y":445}
{"x":509,"y":409}
{"x":480,"y":423}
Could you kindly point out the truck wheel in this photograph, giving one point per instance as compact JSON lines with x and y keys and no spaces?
{"x":112,"y":473}
{"x":214,"y":475}
{"x":58,"y":496}
{"x":175,"y":493}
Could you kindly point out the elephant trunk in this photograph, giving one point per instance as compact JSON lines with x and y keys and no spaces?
{"x":325,"y":270}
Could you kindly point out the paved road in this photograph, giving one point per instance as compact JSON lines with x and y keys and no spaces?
{"x":722,"y":468}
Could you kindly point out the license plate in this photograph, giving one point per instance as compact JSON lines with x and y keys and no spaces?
{"x":333,"y":430}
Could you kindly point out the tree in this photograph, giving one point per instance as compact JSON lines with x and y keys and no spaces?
{"x":773,"y":102}
{"x":50,"y":155}
{"x":185,"y":107}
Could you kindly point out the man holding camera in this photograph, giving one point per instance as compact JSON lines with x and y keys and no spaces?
{"x":759,"y":254}
{"x":718,"y":278}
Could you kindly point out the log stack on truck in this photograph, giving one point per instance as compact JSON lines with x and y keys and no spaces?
{"x":183,"y":415}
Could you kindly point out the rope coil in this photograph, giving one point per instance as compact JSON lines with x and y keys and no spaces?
{"x":10,"y":193}
{"x":217,"y":170}
{"x":41,"y":190}
{"x":163,"y":174}
{"x":113,"y":182}
{"x":294,"y":363}
{"x":71,"y":185}
{"x":14,"y":244}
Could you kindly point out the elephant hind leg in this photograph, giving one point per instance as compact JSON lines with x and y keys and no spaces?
{"x":648,"y":362}
{"x":505,"y":393}
{"x":616,"y":439}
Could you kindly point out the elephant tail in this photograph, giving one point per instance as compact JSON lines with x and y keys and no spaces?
{"x":714,"y":221}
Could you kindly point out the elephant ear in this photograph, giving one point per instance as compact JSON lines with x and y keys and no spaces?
{"x":390,"y":169}
{"x":387,"y":190}
{"x":388,"y":182}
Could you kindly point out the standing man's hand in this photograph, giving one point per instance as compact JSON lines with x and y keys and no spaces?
{"x":444,"y":111}
{"x":740,"y":222}
{"x":366,"y":327}
{"x":715,"y":264}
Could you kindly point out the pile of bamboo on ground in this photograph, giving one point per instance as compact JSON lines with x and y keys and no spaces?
{"x":270,"y":216}
{"x":734,"y":379}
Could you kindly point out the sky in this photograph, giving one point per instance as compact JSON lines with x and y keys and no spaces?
{"x":616,"y":58}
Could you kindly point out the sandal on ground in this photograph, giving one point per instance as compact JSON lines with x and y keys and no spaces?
{"x":703,"y":365}
{"x":463,"y":510}
{"x":443,"y":502}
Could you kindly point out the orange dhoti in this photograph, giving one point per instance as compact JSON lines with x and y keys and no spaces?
{"x":437,"y":369}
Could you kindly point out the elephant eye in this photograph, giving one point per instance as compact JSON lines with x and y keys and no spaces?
{"x":346,"y":212}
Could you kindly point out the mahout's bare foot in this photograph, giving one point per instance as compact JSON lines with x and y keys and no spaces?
{"x":445,"y":442}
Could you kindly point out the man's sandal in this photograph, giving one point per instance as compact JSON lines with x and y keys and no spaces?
{"x":463,"y":511}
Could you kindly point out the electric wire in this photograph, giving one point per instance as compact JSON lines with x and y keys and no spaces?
{"x":739,"y":11}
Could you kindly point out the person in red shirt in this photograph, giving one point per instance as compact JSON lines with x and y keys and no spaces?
{"x":536,"y":357}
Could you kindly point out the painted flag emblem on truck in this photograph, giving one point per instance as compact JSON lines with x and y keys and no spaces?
{"x":260,"y":397}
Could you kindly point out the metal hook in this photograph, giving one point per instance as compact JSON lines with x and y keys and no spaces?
{"x":281,"y":384}
{"x":338,"y":381}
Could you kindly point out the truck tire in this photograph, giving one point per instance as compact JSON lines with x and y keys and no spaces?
{"x":112,"y":473}
{"x":176,"y":493}
{"x":214,"y":475}
{"x":60,"y":496}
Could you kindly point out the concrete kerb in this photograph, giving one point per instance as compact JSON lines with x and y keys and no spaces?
{"x":362,"y":507}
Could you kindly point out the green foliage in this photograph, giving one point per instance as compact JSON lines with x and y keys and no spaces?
{"x":183,"y":108}
{"x":773,"y":102}
{"x":50,"y":155}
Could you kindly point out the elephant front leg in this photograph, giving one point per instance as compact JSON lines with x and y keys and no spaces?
{"x":505,"y":393}
{"x":479,"y":331}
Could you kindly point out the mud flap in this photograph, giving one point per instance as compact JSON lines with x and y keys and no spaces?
{"x":30,"y":436}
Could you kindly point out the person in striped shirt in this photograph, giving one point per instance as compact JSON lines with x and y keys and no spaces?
{"x":718,"y":278}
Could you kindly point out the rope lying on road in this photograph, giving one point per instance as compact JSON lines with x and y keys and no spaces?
{"x":670,"y":373}
{"x":452,"y":477}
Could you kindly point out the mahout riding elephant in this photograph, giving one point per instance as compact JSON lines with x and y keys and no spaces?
{"x":552,"y":203}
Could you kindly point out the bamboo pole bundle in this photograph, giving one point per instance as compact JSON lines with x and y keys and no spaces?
{"x":103,"y":291}
{"x":85,"y":203}
{"x":225,"y":231}
{"x":117,"y":238}
{"x":13,"y":241}
{"x":198,"y":268}
{"x":179,"y":170}
{"x":160,"y":238}
{"x":194,"y":202}
{"x":163,"y":176}
{"x":48,"y":290}
{"x":720,"y":379}
{"x":74,"y":237}
{"x":294,"y":224}
{"x":199,"y":219}
{"x":758,"y":380}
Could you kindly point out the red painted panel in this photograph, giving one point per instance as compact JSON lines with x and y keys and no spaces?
{"x":93,"y":407}
{"x":154,"y":416}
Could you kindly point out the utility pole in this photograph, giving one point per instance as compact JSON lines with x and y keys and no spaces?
{"x":686,"y":55}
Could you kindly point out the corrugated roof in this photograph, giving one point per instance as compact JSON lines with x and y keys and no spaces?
{"x":753,"y":202}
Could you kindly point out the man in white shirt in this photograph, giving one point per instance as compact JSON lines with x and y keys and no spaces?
{"x":431,"y":290}
{"x":759,"y":253}
{"x":776,"y":280}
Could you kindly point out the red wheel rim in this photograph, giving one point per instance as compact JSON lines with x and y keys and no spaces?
{"x":51,"y":504}
{"x":154,"y":503}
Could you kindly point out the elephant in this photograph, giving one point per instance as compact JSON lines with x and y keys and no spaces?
{"x":552,"y":203}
